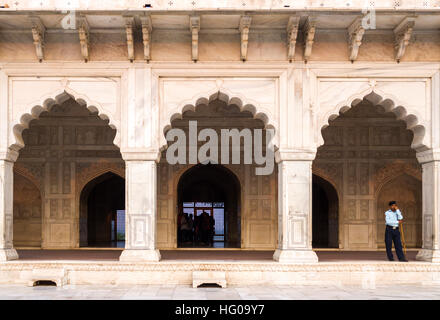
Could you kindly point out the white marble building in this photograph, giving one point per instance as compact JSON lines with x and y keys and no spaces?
{"x":89,"y":90}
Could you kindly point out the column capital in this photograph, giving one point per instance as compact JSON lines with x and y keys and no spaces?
{"x":294,"y":155}
{"x":9,"y":155}
{"x":140,"y":155}
{"x":428,"y":156}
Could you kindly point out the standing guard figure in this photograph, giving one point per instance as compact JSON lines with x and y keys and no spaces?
{"x":393,"y":217}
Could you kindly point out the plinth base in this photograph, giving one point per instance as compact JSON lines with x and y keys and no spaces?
{"x":8,"y":254}
{"x":295,"y":256}
{"x":428,"y":255}
{"x":131,"y":255}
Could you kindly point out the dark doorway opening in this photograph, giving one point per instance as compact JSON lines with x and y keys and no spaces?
{"x":208,"y":208}
{"x":102,"y":212}
{"x":325,"y":206}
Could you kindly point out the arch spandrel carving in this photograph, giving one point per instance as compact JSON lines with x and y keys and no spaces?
{"x":33,"y":173}
{"x":414,"y":116}
{"x":331,"y":172}
{"x":385,"y":173}
{"x":262,"y":105}
{"x":86,"y":172}
{"x":42,"y":95}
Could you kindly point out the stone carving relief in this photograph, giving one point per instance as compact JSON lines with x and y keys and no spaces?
{"x":31,"y":172}
{"x":387,"y":171}
{"x":331,"y":172}
{"x":27,"y":212}
{"x":27,"y":198}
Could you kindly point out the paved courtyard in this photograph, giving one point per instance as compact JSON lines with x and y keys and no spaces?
{"x":181,"y":292}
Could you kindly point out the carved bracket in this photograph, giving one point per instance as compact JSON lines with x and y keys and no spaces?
{"x":194,"y":25}
{"x":83,"y":30}
{"x":355,"y":34}
{"x":292,"y":33}
{"x":147,"y":27}
{"x":38,"y":33}
{"x":245,"y":24}
{"x":129,"y":25}
{"x":402,"y":34}
{"x":309,"y":36}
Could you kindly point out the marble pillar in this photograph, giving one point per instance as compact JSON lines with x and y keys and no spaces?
{"x":140,"y":212}
{"x":295,"y":212}
{"x":430,"y":161}
{"x":7,"y":251}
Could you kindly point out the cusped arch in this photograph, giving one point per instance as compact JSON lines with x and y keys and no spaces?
{"x":257,"y":111}
{"x":414,"y":121}
{"x":56,"y":98}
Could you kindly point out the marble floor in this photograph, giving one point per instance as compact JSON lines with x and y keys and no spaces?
{"x":197,"y":254}
{"x":182,"y":292}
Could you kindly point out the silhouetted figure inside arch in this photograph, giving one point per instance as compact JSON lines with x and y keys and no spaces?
{"x":210,"y":194}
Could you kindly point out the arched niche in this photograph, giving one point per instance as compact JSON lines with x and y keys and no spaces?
{"x":325,"y":214}
{"x":100,"y":200}
{"x":217,"y":185}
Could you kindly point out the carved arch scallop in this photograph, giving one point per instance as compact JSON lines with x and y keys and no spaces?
{"x":258,"y":111}
{"x":55,"y":98}
{"x":412,"y":117}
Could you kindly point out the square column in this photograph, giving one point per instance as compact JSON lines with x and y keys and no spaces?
{"x":295,"y":212}
{"x":140,"y":211}
{"x":7,"y":251}
{"x":430,"y":161}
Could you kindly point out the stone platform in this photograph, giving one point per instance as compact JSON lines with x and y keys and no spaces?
{"x":98,"y":267}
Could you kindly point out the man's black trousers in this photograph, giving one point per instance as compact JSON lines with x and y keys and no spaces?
{"x":393,"y":235}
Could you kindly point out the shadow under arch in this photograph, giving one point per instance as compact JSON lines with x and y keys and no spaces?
{"x":99,"y":201}
{"x":325,"y":213}
{"x":47,"y":103}
{"x":208,"y":184}
{"x":389,"y":104}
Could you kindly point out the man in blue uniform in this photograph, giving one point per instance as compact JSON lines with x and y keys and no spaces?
{"x":393,"y":218}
